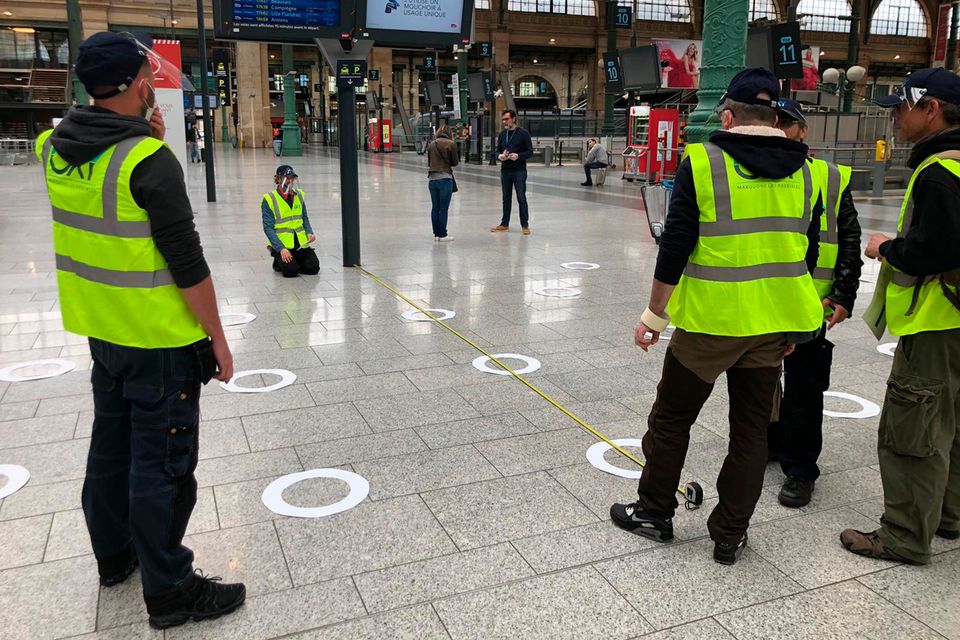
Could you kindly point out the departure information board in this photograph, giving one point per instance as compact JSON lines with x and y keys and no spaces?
{"x":279,"y":20}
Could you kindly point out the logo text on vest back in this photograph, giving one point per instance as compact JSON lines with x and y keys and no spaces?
{"x":67,"y":169}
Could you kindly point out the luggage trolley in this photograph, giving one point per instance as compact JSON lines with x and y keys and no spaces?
{"x":656,"y":202}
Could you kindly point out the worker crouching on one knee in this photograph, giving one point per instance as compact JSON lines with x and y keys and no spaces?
{"x":287,"y":227}
{"x":734,"y":265}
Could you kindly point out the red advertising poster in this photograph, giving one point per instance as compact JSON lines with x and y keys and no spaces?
{"x":165,"y":61}
{"x":680,"y":63}
{"x":940,"y":46}
{"x":811,"y":71}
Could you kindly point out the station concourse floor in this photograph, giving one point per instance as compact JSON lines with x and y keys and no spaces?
{"x":484,"y":518}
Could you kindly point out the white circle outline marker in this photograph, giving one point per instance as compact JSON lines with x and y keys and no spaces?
{"x":558,"y":292}
{"x":481,"y":364}
{"x":287,"y":378}
{"x":66,"y":366}
{"x":415,"y":315}
{"x":887,"y":348}
{"x":580,"y":266}
{"x":272,"y":497}
{"x":596,"y":452}
{"x":16,"y":475}
{"x":238,"y":318}
{"x":869,"y":409}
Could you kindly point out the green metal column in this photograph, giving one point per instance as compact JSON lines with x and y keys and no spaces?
{"x":462,"y":75}
{"x":609,"y":98}
{"x":724,"y":55}
{"x":224,"y":128}
{"x":952,"y":42}
{"x":75,"y":38}
{"x":291,"y":130}
{"x":853,"y":52}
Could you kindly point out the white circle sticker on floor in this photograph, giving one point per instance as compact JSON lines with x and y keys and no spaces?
{"x":62,"y":367}
{"x":596,"y":452}
{"x":232,"y":319}
{"x":887,"y":348}
{"x":558,"y":292}
{"x":273,"y":495}
{"x":16,"y":476}
{"x":868,"y":409}
{"x":287,"y":378}
{"x":415,"y":315}
{"x":481,"y":364}
{"x":580,"y":266}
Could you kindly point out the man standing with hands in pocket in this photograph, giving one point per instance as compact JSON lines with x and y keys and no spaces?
{"x":514,"y":148}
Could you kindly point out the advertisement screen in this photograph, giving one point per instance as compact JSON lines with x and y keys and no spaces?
{"x":679,"y":63}
{"x":811,"y":71}
{"x":436,"y":16}
{"x":278,"y":20}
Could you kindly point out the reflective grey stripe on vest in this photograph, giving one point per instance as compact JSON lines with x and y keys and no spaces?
{"x":125,"y":279}
{"x":746,"y":274}
{"x":297,"y":230}
{"x":47,"y":145}
{"x":823,"y":273}
{"x":830,"y":204}
{"x":277,"y":217}
{"x":904,"y":280}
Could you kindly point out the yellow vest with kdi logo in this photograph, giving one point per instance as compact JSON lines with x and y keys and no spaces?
{"x":912,"y":309}
{"x":833,"y":180}
{"x":287,"y":219}
{"x":114,"y":283}
{"x":747,"y":275}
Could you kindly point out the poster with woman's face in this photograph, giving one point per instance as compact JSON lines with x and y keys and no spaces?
{"x":811,"y":71}
{"x":680,"y":63}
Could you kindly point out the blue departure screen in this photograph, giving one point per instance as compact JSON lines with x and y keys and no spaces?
{"x":286,"y":14}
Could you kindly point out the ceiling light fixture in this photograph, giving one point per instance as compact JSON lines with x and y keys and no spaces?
{"x":896,"y":57}
{"x":24,"y":30}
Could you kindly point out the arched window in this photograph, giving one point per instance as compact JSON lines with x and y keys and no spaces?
{"x":900,"y":18}
{"x":664,"y":11}
{"x":569,"y":7}
{"x":824,"y":15}
{"x":762,"y":9}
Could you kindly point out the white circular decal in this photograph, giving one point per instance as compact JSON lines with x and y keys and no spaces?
{"x":580,"y":266}
{"x":481,"y":364}
{"x":415,"y":315}
{"x":233,"y":319}
{"x":887,"y":348}
{"x":16,"y":475}
{"x":868,"y":410}
{"x":287,"y":378}
{"x":557,"y":292}
{"x":596,"y":452}
{"x":64,"y":366}
{"x":273,"y":495}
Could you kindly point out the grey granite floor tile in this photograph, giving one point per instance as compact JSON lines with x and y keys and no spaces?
{"x":537,"y":452}
{"x":49,"y":600}
{"x":247,"y":466}
{"x":68,"y":536}
{"x":18,"y":410}
{"x":707,"y":629}
{"x":136,"y":631}
{"x":842,"y":488}
{"x":52,"y":461}
{"x":233,"y":405}
{"x":603,"y":384}
{"x":508,"y":394}
{"x":593,"y":413}
{"x":69,"y":384}
{"x":249,"y":554}
{"x":360,"y":448}
{"x":289,"y":359}
{"x":367,"y":387}
{"x":404,"y":363}
{"x":204,"y":517}
{"x":845,"y":610}
{"x":369,"y":537}
{"x":415,"y":623}
{"x":23,"y":541}
{"x":66,"y":404}
{"x":449,"y":434}
{"x":579,"y":545}
{"x":40,"y":499}
{"x":122,"y":604}
{"x":436,"y":578}
{"x":499,"y":510}
{"x":576,"y":605}
{"x":329,"y":372}
{"x":414,"y":409}
{"x":928,"y":593}
{"x":360,"y":351}
{"x":451,"y":376}
{"x":220,"y":438}
{"x":424,"y":471}
{"x":669,"y":583}
{"x":303,"y":426}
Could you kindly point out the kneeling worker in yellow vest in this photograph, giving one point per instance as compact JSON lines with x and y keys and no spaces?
{"x":734,"y":265}
{"x":797,"y":438}
{"x":287,"y":227}
{"x":132,"y":277}
{"x":917,"y":298}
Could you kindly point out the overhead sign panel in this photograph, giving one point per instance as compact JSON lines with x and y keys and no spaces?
{"x":282,"y":20}
{"x":416,"y":22}
{"x":351,"y":73}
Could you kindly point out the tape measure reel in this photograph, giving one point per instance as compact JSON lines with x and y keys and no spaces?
{"x":693,"y":492}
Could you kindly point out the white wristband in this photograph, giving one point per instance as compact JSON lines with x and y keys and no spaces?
{"x":654,"y":321}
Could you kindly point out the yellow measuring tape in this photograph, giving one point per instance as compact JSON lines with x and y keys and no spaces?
{"x":513,"y":373}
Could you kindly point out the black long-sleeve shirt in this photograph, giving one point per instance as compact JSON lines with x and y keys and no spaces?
{"x":516,"y":141}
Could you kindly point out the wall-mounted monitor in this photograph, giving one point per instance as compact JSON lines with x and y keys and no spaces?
{"x":640,"y":68}
{"x":480,"y":86}
{"x":425,"y":23}
{"x":373,"y":101}
{"x":284,"y":21}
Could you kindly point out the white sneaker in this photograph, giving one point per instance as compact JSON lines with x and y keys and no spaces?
{"x":445,"y":239}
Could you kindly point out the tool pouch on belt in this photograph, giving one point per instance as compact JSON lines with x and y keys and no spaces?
{"x":206,"y":362}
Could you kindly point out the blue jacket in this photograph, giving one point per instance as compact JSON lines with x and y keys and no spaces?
{"x":269,"y":222}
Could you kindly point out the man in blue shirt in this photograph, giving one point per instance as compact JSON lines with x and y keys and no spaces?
{"x":284,"y":214}
{"x":514,"y":147}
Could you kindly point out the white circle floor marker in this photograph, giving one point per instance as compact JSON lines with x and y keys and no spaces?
{"x":558,"y":292}
{"x":232,"y":319}
{"x":868,"y":410}
{"x":415,"y":315}
{"x":16,"y":475}
{"x":595,"y":456}
{"x":287,"y":378}
{"x":887,"y":348}
{"x":273,"y":495}
{"x":65,"y":366}
{"x":580,"y":266}
{"x":481,"y":364}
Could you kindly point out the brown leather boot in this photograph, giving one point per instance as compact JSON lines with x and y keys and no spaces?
{"x":868,"y":545}
{"x":500,"y":227}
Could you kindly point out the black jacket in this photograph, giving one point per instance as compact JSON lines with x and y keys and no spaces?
{"x":930,"y":244}
{"x":846,"y":274}
{"x":157,"y":185}
{"x":519,"y":142}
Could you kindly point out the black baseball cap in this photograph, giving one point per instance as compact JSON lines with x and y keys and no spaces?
{"x":749,"y":83}
{"x":286,"y":171}
{"x":790,"y":110}
{"x":109,"y":59}
{"x":925,"y":83}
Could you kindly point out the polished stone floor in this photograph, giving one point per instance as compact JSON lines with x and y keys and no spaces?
{"x":484,"y":519}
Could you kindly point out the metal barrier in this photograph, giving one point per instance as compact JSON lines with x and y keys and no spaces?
{"x":16,"y":151}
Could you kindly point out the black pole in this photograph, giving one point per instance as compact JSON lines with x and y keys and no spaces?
{"x":952,"y":42}
{"x":207,"y":121}
{"x":349,"y":181}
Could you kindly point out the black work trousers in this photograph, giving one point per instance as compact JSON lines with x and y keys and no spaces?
{"x":304,"y":261}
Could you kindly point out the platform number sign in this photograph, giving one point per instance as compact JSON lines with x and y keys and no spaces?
{"x":786,"y":50}
{"x":485,"y":49}
{"x":622,"y":17}
{"x":611,"y":72}
{"x":351,"y":73}
{"x":430,"y":62}
{"x":374,"y":74}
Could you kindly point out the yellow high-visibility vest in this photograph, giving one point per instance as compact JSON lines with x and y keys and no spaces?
{"x":833,"y":180}
{"x":288,"y":219}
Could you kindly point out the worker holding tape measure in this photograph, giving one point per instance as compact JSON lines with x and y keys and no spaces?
{"x":734,"y":272}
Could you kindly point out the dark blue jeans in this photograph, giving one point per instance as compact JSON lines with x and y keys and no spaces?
{"x":441,"y":191}
{"x":140,"y":489}
{"x":593,"y":165}
{"x":510,"y":180}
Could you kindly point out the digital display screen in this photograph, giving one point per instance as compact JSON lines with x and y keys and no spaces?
{"x":640,"y":68}
{"x":435,"y":16}
{"x":278,"y":20}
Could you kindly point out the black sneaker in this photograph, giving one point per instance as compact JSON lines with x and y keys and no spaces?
{"x":796,"y":492}
{"x":205,"y":598}
{"x":633,"y":518}
{"x":728,"y":554}
{"x":117,"y":569}
{"x":947,"y":534}
{"x":586,"y":184}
